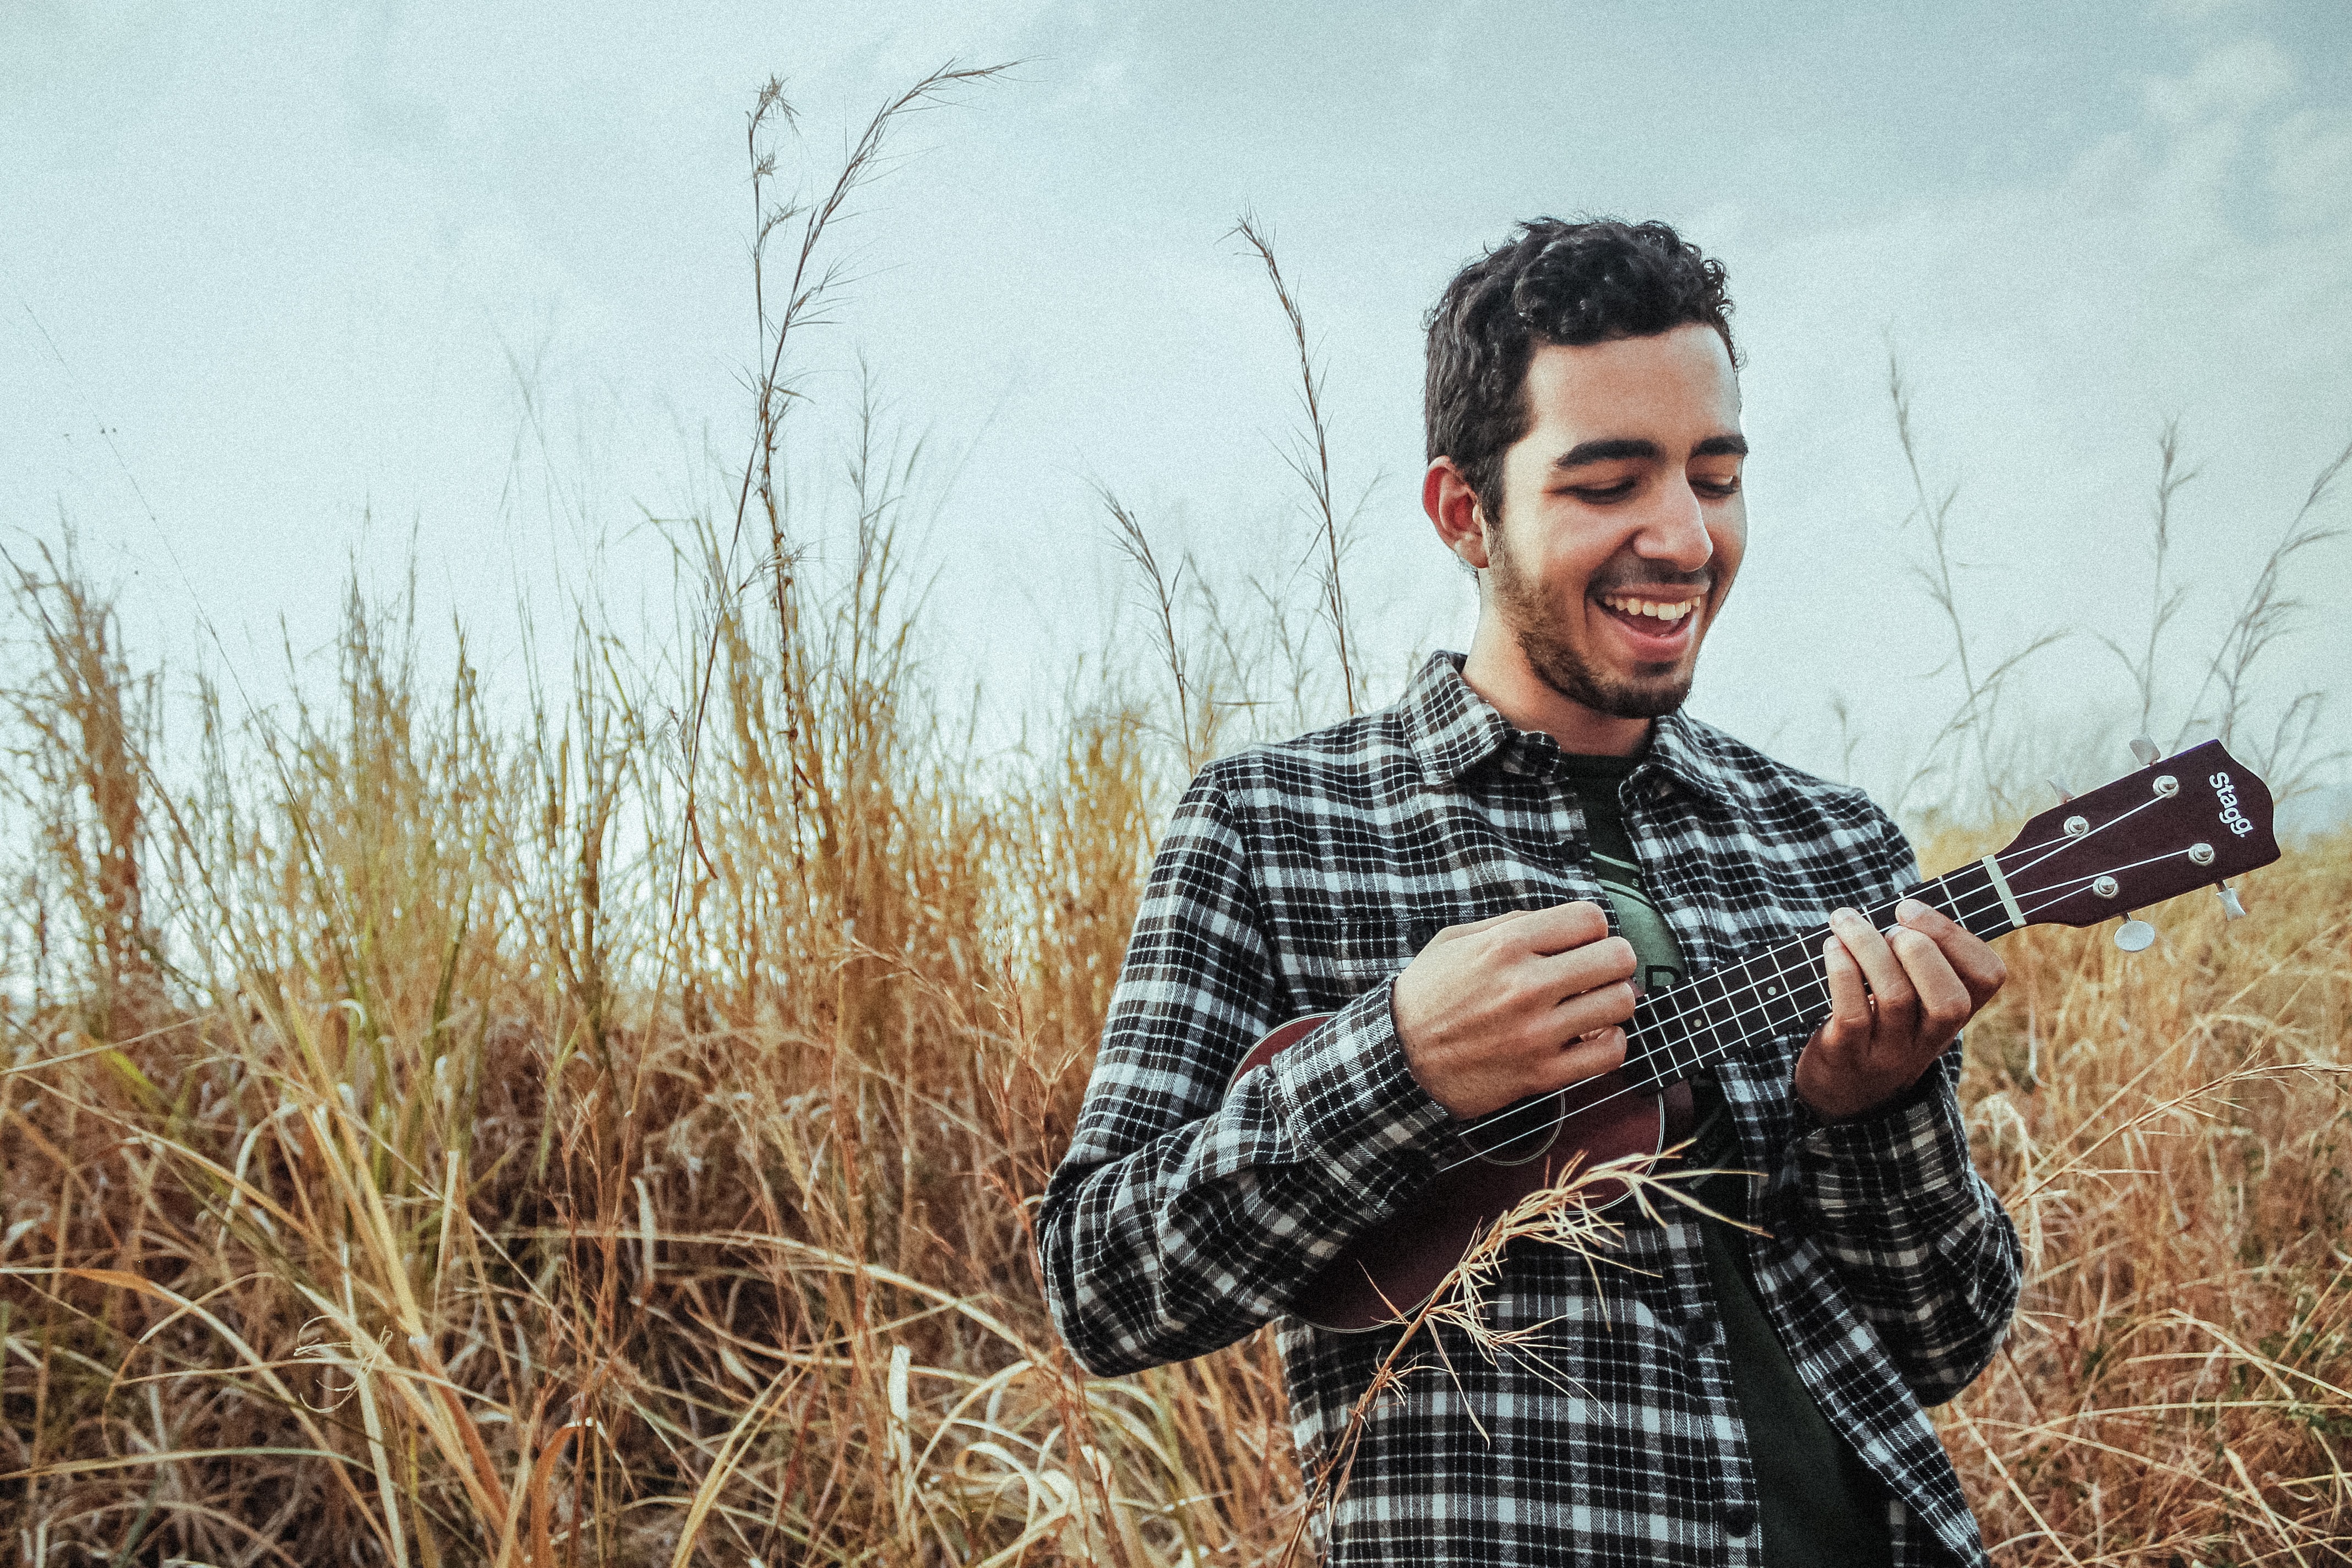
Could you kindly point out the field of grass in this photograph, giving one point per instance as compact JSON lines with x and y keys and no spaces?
{"x":433,"y":1141}
{"x":602,"y":1123}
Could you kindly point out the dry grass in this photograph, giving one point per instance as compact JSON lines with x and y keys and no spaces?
{"x":398,"y":1180}
{"x":389,"y":1177}
{"x":610,"y":1136}
{"x":2173,"y":1135}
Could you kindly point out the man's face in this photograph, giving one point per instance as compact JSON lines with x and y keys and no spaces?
{"x":1623,"y":518}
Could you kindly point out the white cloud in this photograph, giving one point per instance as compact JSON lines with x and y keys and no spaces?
{"x":2310,"y":168}
{"x":2226,"y":82}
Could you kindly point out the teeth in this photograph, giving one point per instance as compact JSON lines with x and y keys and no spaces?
{"x":1669,"y":614}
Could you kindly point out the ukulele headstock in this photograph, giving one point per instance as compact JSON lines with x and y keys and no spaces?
{"x":2185,"y":821}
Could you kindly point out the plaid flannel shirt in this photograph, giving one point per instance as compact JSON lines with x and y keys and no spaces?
{"x":1300,"y":877}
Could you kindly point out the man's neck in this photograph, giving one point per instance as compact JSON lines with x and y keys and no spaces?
{"x":1497,"y":670}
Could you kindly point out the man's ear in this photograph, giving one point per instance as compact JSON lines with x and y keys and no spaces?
{"x":1453,"y":511}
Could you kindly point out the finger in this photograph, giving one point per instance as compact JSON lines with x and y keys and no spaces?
{"x":1527,"y":990}
{"x":1944,"y":1002}
{"x":1560,"y":929}
{"x":1979,"y":968}
{"x":1471,"y":928}
{"x":1927,"y":921}
{"x":1587,"y":968}
{"x":1595,"y":1009}
{"x":1898,"y":1004}
{"x":1849,"y":1019}
{"x":1581,"y":1060}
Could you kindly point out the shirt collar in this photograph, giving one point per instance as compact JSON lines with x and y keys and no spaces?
{"x":1452,"y":731}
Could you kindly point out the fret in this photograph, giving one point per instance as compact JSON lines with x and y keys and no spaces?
{"x":1646,"y":1047}
{"x":1653,"y":1041}
{"x":1799,"y":992}
{"x":1981,"y":904}
{"x":1780,"y":991}
{"x":1949,"y":894}
{"x":1719,"y":1018}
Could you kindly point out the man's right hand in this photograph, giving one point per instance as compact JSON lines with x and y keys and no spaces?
{"x":1494,"y":1011}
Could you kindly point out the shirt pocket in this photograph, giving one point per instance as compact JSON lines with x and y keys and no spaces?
{"x":1366,"y":951}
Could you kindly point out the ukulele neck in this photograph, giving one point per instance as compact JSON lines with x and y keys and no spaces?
{"x":1783,"y":990}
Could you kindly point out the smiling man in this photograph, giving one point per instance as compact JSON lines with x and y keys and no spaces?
{"x":1475,"y":884}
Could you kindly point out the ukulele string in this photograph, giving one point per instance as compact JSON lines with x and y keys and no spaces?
{"x":1753,"y":987}
{"x":2059,"y":845}
{"x":2040,"y":853}
{"x":1703,"y":1056}
{"x":2047,"y":897}
{"x":2058,"y":893}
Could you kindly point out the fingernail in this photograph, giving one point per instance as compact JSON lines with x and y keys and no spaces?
{"x":1910,"y":909}
{"x":1843,"y":914}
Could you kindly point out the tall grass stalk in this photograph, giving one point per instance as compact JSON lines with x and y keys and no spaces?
{"x":1974,"y":725}
{"x":1309,"y":457}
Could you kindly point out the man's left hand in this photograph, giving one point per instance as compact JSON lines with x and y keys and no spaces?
{"x":1924,"y":979}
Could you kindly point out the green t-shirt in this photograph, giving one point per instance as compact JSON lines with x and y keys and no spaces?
{"x":1820,"y":1506}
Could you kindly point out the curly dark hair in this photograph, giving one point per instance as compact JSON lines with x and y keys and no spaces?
{"x":1552,"y":282}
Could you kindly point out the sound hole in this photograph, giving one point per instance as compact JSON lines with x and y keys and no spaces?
{"x":1521,"y":1135}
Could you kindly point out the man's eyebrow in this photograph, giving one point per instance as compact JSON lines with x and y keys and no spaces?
{"x":1604,"y":451}
{"x":1616,"y":448}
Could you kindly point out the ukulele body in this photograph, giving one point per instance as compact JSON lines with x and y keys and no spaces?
{"x":1392,"y":1268}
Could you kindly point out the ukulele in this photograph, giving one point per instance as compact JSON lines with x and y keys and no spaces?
{"x":2179,"y":824}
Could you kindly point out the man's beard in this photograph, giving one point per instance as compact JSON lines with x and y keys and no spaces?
{"x":1560,"y":666}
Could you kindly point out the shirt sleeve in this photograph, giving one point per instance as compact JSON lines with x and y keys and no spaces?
{"x":1925,"y":1249}
{"x":1187,"y":1213}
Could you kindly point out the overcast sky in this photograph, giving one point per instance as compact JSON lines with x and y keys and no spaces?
{"x":265,"y":272}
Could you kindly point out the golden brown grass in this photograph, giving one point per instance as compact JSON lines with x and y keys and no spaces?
{"x":2173,"y":1135}
{"x":390,"y":1176}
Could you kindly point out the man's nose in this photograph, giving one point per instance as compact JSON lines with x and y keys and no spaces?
{"x":1676,"y":533}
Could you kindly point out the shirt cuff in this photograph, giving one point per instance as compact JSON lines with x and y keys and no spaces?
{"x":1922,"y":1089}
{"x":1352,"y":1106}
{"x":1912,"y":1153}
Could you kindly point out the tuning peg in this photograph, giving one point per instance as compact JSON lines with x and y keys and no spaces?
{"x":2133,"y":936}
{"x":2144,"y":750}
{"x":2065,"y":794}
{"x":2230,"y":908}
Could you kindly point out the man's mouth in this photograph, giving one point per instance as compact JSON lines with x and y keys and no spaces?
{"x":1655,"y":615}
{"x":1652,"y":623}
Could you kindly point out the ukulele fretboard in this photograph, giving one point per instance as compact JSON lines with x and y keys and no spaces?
{"x":1782,"y":990}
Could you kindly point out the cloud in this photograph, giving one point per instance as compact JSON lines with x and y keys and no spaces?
{"x":2228,"y":82}
{"x":2310,"y":171}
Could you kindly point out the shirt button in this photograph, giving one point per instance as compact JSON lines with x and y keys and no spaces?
{"x":1738,"y":1519}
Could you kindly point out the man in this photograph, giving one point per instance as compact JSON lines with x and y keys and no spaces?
{"x":1474,"y":883}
